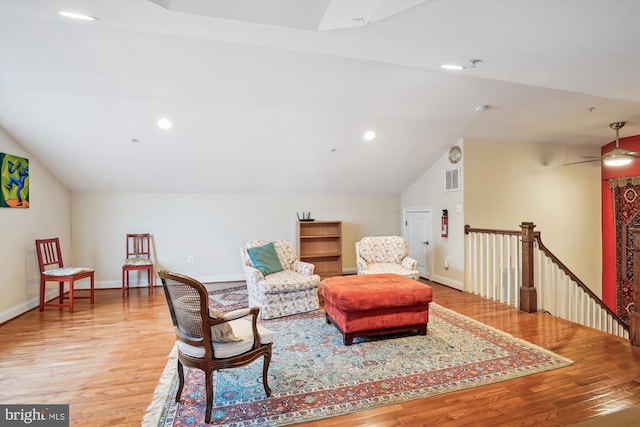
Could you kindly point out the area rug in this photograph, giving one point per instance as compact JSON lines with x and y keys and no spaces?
{"x":314,"y":376}
{"x":228,"y":299}
{"x":626,"y":215}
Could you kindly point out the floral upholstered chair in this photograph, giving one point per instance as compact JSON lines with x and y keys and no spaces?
{"x":277,"y":281}
{"x":385,"y":254}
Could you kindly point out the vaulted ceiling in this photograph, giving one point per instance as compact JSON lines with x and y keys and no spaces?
{"x":275,"y":95}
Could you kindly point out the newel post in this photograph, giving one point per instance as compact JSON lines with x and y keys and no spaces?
{"x":634,"y":317}
{"x":528,"y":294}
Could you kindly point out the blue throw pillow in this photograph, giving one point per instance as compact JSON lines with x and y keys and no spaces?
{"x":265,"y":259}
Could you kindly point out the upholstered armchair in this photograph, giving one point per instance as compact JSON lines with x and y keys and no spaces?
{"x":277,"y":281}
{"x":385,"y":254}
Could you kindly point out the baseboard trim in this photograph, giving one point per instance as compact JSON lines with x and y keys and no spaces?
{"x":455,"y":284}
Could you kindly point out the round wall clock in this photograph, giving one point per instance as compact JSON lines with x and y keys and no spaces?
{"x":455,"y":154}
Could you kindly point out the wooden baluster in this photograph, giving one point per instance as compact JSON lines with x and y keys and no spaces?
{"x":528,"y":294}
{"x":634,"y":326}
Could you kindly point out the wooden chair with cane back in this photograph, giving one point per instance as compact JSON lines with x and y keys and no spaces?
{"x":210,"y":340}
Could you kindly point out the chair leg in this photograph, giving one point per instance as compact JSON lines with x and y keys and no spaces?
{"x":61,"y":292}
{"x":92,"y":290}
{"x":42,"y":292}
{"x":209,"y":387}
{"x":71,"y":286}
{"x":150,"y":273}
{"x":125,"y":284}
{"x":265,"y":371}
{"x":180,"y":380}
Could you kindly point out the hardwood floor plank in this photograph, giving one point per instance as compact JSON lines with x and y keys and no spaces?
{"x":105,"y":362}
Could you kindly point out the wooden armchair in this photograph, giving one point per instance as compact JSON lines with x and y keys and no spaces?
{"x":210,"y":340}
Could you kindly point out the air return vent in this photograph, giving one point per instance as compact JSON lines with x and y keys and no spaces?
{"x":452,"y":179}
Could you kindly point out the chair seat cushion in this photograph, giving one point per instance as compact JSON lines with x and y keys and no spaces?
{"x":287,"y":281}
{"x":222,"y":350}
{"x":132,"y":262}
{"x":386,"y":267}
{"x":67,"y":271}
{"x":242,"y":329}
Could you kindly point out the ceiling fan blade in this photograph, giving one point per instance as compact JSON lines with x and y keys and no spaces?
{"x":595,"y":159}
{"x":591,"y":157}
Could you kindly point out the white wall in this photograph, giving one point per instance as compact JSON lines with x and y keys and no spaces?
{"x":49,"y":215}
{"x":508,"y":183}
{"x":428,"y":192}
{"x":213,"y":227}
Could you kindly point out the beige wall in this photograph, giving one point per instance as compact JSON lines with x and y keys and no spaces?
{"x":503,"y":185}
{"x":428,"y":192}
{"x":508,"y":183}
{"x":49,"y":215}
{"x":213,"y":227}
{"x":209,"y":227}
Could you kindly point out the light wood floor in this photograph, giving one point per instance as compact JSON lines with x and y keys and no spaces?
{"x":105,"y":362}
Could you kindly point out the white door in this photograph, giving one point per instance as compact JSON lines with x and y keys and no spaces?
{"x":418,"y":234}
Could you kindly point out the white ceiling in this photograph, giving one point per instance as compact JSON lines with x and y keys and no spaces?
{"x":266,"y":97}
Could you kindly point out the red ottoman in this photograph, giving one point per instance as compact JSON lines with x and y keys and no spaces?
{"x":375,"y":304}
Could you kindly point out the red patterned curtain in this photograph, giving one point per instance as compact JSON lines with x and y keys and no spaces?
{"x":625,"y":193}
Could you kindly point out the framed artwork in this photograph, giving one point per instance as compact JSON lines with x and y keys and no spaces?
{"x":14,"y":181}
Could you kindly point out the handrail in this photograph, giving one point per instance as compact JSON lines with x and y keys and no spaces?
{"x":579,"y":282}
{"x":528,"y":300}
{"x":468,"y":229}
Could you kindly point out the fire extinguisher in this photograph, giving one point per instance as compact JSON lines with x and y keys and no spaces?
{"x":445,"y":223}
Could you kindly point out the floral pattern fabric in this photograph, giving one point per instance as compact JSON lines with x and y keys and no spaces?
{"x":67,"y":271}
{"x":129,"y":262}
{"x":291,"y":291}
{"x":385,"y":254}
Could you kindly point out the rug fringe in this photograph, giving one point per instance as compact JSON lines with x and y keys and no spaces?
{"x":160,"y":394}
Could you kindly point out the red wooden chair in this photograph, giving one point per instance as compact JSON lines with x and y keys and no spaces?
{"x":52,"y":269}
{"x":138,"y":258}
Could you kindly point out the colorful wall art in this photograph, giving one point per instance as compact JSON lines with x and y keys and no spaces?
{"x":14,"y":181}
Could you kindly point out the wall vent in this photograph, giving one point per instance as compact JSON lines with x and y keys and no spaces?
{"x":452,"y":179}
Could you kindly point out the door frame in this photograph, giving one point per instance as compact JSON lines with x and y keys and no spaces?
{"x":405,"y":211}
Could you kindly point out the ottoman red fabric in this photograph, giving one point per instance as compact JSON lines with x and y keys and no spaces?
{"x":375,"y":304}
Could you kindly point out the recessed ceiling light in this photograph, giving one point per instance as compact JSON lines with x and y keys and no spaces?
{"x":452,"y":67}
{"x":369,"y":135}
{"x":164,"y":123}
{"x":76,"y":15}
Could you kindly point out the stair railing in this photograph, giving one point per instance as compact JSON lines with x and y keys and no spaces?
{"x":516,"y":268}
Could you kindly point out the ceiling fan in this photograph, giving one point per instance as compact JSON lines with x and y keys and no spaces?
{"x":615,"y":157}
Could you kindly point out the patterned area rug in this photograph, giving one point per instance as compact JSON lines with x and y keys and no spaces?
{"x":314,"y":376}
{"x":228,"y":299}
{"x":625,"y":194}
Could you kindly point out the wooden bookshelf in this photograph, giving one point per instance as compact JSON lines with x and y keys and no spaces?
{"x":320,"y":243}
